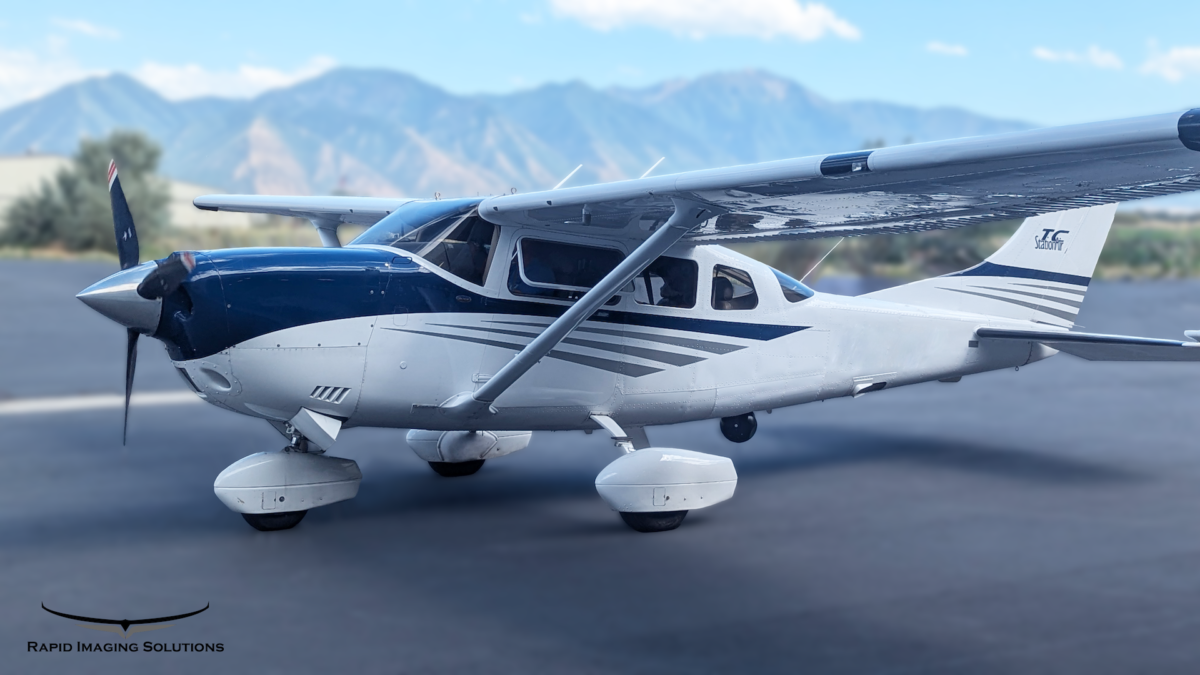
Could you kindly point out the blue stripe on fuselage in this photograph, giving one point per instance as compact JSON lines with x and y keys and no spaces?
{"x":266,"y":290}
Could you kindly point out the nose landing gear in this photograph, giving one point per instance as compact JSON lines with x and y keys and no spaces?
{"x":274,"y":490}
{"x":662,"y":521}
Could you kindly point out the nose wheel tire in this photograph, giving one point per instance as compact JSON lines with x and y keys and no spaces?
{"x":270,"y":522}
{"x":456,"y":469}
{"x":658,"y":521}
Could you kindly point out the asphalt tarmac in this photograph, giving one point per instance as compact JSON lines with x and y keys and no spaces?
{"x":1046,"y":520}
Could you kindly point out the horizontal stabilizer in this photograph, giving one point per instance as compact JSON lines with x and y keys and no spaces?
{"x":355,"y":210}
{"x":1098,"y":347}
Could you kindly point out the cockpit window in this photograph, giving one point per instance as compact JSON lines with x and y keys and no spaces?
{"x":733,"y":289}
{"x":465,"y":250}
{"x":559,"y":270}
{"x":560,"y":265}
{"x":449,"y":235}
{"x":793,"y":291}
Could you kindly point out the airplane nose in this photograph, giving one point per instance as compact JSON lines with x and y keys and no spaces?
{"x":117,"y":298}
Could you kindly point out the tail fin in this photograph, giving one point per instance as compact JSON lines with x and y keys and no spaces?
{"x":1041,"y":274}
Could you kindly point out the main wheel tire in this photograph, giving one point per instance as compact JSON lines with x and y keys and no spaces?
{"x":456,"y":469}
{"x":658,"y":521}
{"x":739,"y":429}
{"x":270,"y":522}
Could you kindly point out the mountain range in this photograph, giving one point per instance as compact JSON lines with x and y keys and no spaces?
{"x":386,"y":133}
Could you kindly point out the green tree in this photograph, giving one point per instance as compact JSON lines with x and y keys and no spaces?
{"x":73,"y":210}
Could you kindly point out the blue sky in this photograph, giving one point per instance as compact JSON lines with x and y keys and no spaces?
{"x":1044,"y":62}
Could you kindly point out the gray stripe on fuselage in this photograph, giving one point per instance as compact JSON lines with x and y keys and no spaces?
{"x":671,"y":358}
{"x":619,"y":367}
{"x":1072,"y":291}
{"x":1070,"y":303}
{"x":1066,"y":316}
{"x":690,"y":343}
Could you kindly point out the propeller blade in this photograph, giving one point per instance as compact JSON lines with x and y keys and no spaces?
{"x":127,"y":241}
{"x":167,"y":276}
{"x":130,"y":366}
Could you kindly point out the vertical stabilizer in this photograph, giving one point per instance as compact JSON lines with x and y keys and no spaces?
{"x":1041,"y":274}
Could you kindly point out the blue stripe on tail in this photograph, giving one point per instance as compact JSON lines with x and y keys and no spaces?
{"x":988,"y":269}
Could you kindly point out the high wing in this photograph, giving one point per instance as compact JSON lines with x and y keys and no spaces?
{"x":1098,"y":347}
{"x":901,"y":189}
{"x":925,"y":186}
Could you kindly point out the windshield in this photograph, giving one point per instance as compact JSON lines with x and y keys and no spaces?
{"x":793,"y":291}
{"x":450,"y":234}
{"x":415,"y":224}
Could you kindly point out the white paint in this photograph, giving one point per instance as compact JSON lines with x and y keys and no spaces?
{"x":286,"y":481}
{"x":666,"y":479}
{"x":465,"y":446}
{"x":61,"y":404}
{"x":320,"y":430}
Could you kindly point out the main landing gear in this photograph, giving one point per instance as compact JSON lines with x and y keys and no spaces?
{"x":462,"y":453}
{"x":654,"y":488}
{"x":456,"y":469}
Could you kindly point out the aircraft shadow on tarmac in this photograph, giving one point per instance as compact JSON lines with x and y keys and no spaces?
{"x":820,"y":448}
{"x":396,"y":486}
{"x":829,"y":446}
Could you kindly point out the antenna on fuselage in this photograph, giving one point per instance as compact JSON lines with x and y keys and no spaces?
{"x":660,"y":161}
{"x":560,"y":183}
{"x":814,"y":267}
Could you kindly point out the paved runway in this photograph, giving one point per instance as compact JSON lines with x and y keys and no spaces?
{"x":1046,"y":520}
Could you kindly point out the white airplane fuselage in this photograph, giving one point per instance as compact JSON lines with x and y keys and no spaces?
{"x":641,"y":365}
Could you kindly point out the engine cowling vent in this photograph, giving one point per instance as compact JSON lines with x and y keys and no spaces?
{"x":330,"y":394}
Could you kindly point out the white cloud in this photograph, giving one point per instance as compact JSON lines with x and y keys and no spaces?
{"x":946,"y":49}
{"x":763,"y":19}
{"x":87,"y":28}
{"x":191,"y":80}
{"x":1174,"y":64}
{"x":1094,"y":56}
{"x":25,"y":75}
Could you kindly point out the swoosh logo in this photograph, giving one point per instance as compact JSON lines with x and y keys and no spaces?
{"x":124,"y":623}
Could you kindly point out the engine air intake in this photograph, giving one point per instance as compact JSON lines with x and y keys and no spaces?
{"x":330,"y":394}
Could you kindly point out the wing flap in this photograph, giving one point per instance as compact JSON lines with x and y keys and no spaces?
{"x":1100,"y":347}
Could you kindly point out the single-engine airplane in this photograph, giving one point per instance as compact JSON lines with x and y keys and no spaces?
{"x":612,"y":307}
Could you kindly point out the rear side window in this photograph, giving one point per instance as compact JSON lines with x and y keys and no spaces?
{"x":555,"y":269}
{"x":733,"y":289}
{"x":667,"y":282}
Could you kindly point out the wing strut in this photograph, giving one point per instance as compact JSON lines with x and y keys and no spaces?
{"x":688,"y":215}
